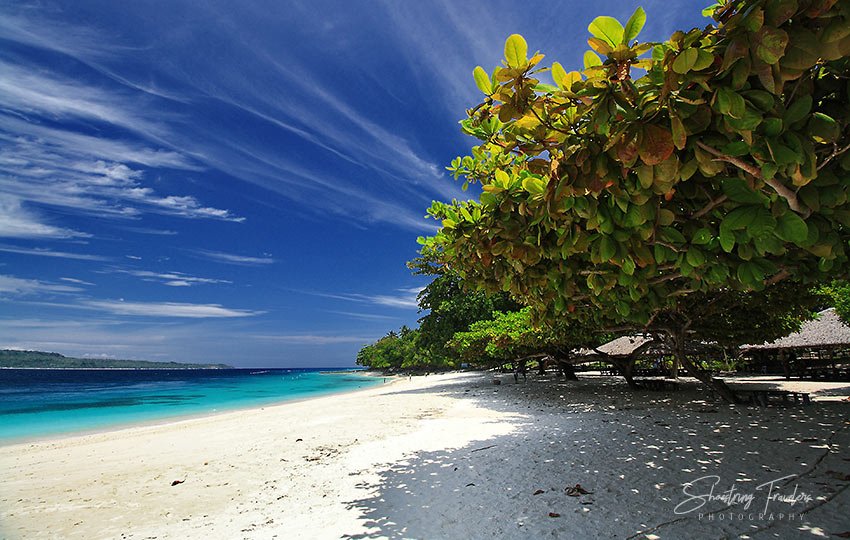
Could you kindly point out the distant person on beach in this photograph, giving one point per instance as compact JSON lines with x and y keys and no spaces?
{"x":516,"y":374}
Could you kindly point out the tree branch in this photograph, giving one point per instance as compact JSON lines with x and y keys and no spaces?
{"x":664,"y":278}
{"x":709,"y":207}
{"x":668,"y":245}
{"x":777,"y":185}
{"x":835,"y":152}
{"x":778,"y":277}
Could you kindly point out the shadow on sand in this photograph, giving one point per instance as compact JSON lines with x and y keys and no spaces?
{"x":628,"y":452}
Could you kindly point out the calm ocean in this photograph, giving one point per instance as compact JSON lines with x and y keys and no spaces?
{"x":38,"y":403}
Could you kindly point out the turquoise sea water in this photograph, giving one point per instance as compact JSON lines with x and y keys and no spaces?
{"x":40,"y":403}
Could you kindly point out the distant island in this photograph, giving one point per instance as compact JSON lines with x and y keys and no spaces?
{"x":45,"y":360}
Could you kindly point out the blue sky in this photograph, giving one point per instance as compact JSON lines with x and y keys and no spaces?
{"x":241,"y":182}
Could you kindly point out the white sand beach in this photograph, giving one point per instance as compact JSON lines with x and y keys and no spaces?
{"x":450,"y":456}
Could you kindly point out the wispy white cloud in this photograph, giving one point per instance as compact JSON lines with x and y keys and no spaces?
{"x":308,"y":339}
{"x":167,"y":309}
{"x":56,"y":142}
{"x":158,"y":232}
{"x":407,"y":298}
{"x":19,"y":222}
{"x":229,"y":258}
{"x":33,"y":169}
{"x":44,"y":252}
{"x":74,"y":280}
{"x":367,"y":316}
{"x":172,"y":279}
{"x":18,"y":286}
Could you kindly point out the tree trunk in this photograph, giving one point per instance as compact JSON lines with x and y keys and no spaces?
{"x":626,"y":368}
{"x":562,"y":358}
{"x":703,"y":376}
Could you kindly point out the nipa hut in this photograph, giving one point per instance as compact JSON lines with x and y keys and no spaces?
{"x":820,"y":349}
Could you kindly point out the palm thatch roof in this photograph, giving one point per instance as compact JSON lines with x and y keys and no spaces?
{"x":621,"y":347}
{"x":824,"y":332}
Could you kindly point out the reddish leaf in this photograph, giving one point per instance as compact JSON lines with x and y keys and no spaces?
{"x":769,"y":44}
{"x":539,"y":491}
{"x":626,"y":150}
{"x":656,"y":146}
{"x":735,"y":51}
{"x":553,"y":514}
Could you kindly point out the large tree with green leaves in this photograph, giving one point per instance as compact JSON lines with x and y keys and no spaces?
{"x":723,"y":168}
{"x":513,"y":336}
{"x":450,"y":306}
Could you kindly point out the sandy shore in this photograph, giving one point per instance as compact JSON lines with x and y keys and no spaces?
{"x":450,"y":456}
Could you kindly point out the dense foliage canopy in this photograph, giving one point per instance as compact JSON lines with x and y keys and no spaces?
{"x":723,"y":169}
{"x":725,"y":166}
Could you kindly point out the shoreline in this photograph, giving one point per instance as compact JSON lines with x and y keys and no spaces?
{"x":443,"y":456}
{"x":124,"y":426}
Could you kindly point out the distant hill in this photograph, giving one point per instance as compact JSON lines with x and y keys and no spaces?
{"x":45,"y":360}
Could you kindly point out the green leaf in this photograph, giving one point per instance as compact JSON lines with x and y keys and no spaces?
{"x":608,"y":29}
{"x":718,"y":272}
{"x":502,"y":179}
{"x":738,"y":218}
{"x":545,"y":88}
{"x":791,"y":228}
{"x":748,"y":122}
{"x":738,"y":190}
{"x":645,"y":176}
{"x":823,"y":128}
{"x":727,"y":240}
{"x":763,"y":100}
{"x":781,"y":154}
{"x":635,"y":25}
{"x":591,"y":60}
{"x":516,"y":50}
{"x":695,"y":257}
{"x":750,"y":274}
{"x":533,"y":185}
{"x":730,"y":102}
{"x":685,"y":61}
{"x":704,"y":60}
{"x":680,"y":138}
{"x":607,"y":248}
{"x":772,"y":126}
{"x":482,"y":80}
{"x":736,"y":148}
{"x":558,"y":75}
{"x":762,"y":224}
{"x":701,"y":237}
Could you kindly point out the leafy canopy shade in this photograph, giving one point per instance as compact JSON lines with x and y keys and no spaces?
{"x":724,"y":167}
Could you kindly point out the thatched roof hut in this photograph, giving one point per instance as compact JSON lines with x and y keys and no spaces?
{"x":622,"y":347}
{"x":825,"y":332}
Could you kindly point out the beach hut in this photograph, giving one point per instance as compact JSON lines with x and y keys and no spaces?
{"x":622,"y":353}
{"x":820,"y":349}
